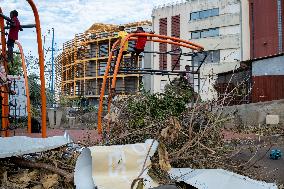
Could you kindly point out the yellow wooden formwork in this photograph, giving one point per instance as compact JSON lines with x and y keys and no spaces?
{"x":79,"y":68}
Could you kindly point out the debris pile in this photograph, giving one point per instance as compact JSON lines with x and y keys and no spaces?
{"x":44,"y":170}
{"x":188,"y":135}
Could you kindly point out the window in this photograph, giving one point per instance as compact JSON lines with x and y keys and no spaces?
{"x":195,"y":35}
{"x":210,"y":33}
{"x":204,"y":14}
{"x":205,"y":33}
{"x":212,"y":57}
{"x":163,"y":22}
{"x":103,"y":50}
{"x":194,"y":15}
{"x":215,"y":12}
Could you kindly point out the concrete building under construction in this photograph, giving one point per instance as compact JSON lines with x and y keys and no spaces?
{"x":81,"y":65}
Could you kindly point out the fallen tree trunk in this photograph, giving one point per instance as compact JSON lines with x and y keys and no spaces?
{"x":25,"y":163}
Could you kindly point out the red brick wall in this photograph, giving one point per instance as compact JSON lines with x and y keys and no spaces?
{"x":264,"y":27}
{"x":175,"y":30}
{"x":162,"y":46}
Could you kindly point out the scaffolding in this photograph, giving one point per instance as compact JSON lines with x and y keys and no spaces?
{"x":81,"y":65}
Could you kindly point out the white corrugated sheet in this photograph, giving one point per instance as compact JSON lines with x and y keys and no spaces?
{"x":21,"y":145}
{"x":217,"y":179}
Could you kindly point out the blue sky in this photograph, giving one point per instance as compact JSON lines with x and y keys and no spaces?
{"x":69,"y":17}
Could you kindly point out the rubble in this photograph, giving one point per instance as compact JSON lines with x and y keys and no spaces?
{"x":128,"y":166}
{"x":42,"y":170}
{"x":188,"y":136}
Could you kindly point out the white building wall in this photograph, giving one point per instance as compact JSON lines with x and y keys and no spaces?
{"x":245,"y":27}
{"x":229,"y":41}
{"x":232,"y":30}
{"x":20,"y":98}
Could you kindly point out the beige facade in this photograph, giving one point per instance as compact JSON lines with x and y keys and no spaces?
{"x":214,"y":24}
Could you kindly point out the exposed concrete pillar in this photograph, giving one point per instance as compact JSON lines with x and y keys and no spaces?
{"x":71,"y":121}
{"x":50,"y":113}
{"x":59,"y":114}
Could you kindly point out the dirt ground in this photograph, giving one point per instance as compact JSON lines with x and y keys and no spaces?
{"x":258,"y":164}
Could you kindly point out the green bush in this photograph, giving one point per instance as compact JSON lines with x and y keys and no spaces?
{"x":159,"y":106}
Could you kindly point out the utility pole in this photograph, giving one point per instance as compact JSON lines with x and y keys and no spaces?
{"x":52,"y":63}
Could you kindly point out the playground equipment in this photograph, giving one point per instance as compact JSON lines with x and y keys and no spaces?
{"x":26,"y":85}
{"x":150,"y":37}
{"x":5,"y":102}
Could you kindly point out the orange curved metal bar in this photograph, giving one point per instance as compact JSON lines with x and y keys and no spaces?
{"x":162,"y":39}
{"x":166,"y":37}
{"x":100,"y":109}
{"x":175,"y":41}
{"x":150,"y":35}
{"x":172,"y":43}
{"x":5,"y":108}
{"x":27,"y":86}
{"x":41,"y":64}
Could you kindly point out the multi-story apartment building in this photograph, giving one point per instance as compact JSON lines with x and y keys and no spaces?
{"x":214,"y":24}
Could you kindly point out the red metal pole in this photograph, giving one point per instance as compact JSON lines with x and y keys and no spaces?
{"x":5,"y":101}
{"x":100,"y":110}
{"x":41,"y":64}
{"x":27,"y":87}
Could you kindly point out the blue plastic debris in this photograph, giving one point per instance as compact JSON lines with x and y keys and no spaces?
{"x":275,"y":154}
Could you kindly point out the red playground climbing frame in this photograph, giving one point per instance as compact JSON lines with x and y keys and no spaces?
{"x":150,"y":37}
{"x":5,"y":108}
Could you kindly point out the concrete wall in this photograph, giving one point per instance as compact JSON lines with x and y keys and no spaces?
{"x":229,"y":41}
{"x":220,"y":43}
{"x":224,"y":20}
{"x":254,"y":114}
{"x":146,"y":63}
